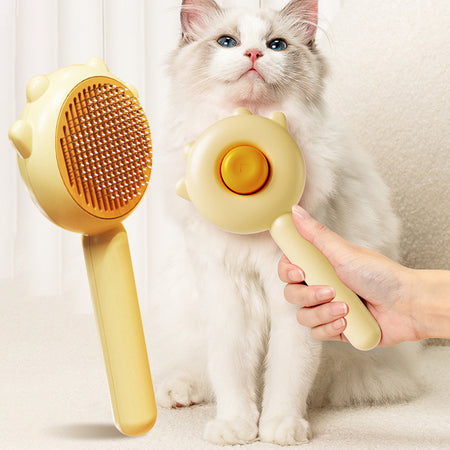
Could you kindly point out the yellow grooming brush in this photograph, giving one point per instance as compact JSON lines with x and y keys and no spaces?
{"x":85,"y":154}
{"x":243,"y":174}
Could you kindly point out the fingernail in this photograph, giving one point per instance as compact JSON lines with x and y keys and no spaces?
{"x":338,"y":324}
{"x":327,"y":293}
{"x":338,"y":308}
{"x":299,"y":212}
{"x":296,"y":276}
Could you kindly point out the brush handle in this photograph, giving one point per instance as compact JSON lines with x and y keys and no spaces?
{"x":113,"y":291}
{"x":362,"y":329}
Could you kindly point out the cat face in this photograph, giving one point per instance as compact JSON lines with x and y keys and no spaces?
{"x":250,"y":57}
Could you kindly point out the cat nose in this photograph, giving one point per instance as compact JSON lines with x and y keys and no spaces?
{"x":254,"y":54}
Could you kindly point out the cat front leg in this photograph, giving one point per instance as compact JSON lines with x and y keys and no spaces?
{"x":176,"y":330}
{"x":234,"y":349}
{"x":291,"y":365}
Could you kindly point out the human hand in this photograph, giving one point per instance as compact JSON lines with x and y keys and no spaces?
{"x":383,"y":284}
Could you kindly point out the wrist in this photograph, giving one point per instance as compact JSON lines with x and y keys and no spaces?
{"x":430,"y":294}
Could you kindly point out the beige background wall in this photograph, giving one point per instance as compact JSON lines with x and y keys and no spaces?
{"x":390,"y":83}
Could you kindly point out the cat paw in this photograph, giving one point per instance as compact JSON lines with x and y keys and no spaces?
{"x":229,"y":432}
{"x":284,"y":430}
{"x":179,"y":391}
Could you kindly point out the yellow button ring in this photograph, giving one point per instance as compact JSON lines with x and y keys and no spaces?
{"x":245,"y":170}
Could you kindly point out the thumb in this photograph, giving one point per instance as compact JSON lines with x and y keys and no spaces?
{"x":328,"y":242}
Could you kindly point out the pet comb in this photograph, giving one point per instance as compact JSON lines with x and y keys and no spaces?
{"x":85,"y":153}
{"x":243,"y":174}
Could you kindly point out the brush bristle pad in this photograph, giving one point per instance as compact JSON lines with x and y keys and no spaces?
{"x":104,"y":147}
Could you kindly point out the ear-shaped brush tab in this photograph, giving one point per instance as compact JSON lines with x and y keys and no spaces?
{"x":279,"y":118}
{"x":21,"y":135}
{"x":97,"y":64}
{"x":181,"y":189}
{"x":186,"y":150}
{"x":36,"y":87}
{"x":242,"y":112}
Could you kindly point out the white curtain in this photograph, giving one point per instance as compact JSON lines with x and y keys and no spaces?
{"x":37,"y":37}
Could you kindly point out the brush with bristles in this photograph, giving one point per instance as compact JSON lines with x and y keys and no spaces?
{"x":85,"y":154}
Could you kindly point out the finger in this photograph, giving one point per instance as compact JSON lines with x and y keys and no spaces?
{"x":322,"y":314}
{"x":328,"y":242}
{"x":288,"y":272}
{"x":331,"y":331}
{"x":302,"y":295}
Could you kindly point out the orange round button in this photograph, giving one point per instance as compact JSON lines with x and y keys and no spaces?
{"x":244,"y":170}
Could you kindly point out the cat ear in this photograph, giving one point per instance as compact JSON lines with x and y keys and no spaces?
{"x":196,"y":16}
{"x":304,"y":16}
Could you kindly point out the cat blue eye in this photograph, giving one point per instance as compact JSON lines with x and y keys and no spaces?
{"x":278,"y":45}
{"x":227,"y":41}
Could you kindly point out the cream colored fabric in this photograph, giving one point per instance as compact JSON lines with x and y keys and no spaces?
{"x":390,"y":64}
{"x":54,"y":395}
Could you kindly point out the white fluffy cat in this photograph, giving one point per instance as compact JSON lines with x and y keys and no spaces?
{"x":222,"y":327}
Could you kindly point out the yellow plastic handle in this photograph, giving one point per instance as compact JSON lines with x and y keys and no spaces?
{"x":114,"y":295}
{"x":362,"y":329}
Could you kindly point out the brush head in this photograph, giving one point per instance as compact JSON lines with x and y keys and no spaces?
{"x":103,"y":147}
{"x":244,"y":172}
{"x":84,"y":147}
